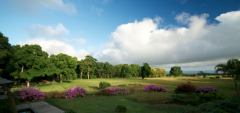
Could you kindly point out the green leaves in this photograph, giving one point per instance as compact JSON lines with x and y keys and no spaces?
{"x":176,"y":71}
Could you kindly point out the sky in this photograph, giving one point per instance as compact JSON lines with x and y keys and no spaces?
{"x":195,"y":35}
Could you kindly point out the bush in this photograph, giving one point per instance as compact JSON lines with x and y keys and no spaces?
{"x":205,"y":89}
{"x":228,"y":105}
{"x":185,"y":88}
{"x":5,"y":104}
{"x":121,"y":108}
{"x":74,"y":91}
{"x":53,"y":95}
{"x":113,"y":91}
{"x":29,"y":94}
{"x":153,"y":87}
{"x":213,"y":95}
{"x":104,"y":85}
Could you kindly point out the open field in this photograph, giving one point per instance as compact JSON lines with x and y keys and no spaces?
{"x":138,"y":101}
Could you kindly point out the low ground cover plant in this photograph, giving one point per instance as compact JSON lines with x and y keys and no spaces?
{"x":153,"y":87}
{"x":185,"y":88}
{"x":228,"y":105}
{"x":112,"y":91}
{"x":210,"y":96}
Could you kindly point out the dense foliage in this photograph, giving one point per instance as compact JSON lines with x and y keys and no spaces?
{"x":121,"y":108}
{"x":185,"y":88}
{"x":104,"y":84}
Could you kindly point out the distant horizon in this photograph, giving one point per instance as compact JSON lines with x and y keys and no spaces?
{"x":205,"y":71}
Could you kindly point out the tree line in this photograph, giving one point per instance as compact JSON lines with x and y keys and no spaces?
{"x":29,"y":62}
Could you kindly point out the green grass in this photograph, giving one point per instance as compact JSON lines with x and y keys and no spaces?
{"x":137,"y":102}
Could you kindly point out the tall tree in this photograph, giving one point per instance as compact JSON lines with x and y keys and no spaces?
{"x":64,"y":64}
{"x":100,"y":68}
{"x":112,"y":70}
{"x":145,"y":70}
{"x":4,"y":49}
{"x":221,"y":67}
{"x":31,"y":62}
{"x":118,"y":70}
{"x":82,"y":67}
{"x":176,"y":71}
{"x":90,"y":62}
{"x":107,"y":69}
{"x":134,"y":69}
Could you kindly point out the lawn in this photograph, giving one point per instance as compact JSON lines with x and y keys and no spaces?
{"x":137,"y":102}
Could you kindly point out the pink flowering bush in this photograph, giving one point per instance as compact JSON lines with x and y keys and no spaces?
{"x":205,"y":89}
{"x":75,"y":91}
{"x":29,"y":94}
{"x":113,"y":91}
{"x":153,"y":87}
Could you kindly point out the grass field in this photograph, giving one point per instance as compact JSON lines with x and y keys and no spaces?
{"x":137,"y":102}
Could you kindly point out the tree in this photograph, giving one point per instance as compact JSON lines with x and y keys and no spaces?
{"x":30,"y":61}
{"x":107,"y":69}
{"x":135,"y":68}
{"x":82,"y":67}
{"x":4,"y":49}
{"x":64,"y":64}
{"x":202,"y":73}
{"x":112,"y":70}
{"x":176,"y":71}
{"x":100,"y":67}
{"x":232,"y":68}
{"x":90,"y":62}
{"x":118,"y":69}
{"x":145,"y":70}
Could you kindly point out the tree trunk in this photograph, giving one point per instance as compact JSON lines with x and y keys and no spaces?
{"x":60,"y":77}
{"x":236,"y":85}
{"x":81,"y":75}
{"x":88,"y":75}
{"x":27,"y":83}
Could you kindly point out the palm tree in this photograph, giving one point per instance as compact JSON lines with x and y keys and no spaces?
{"x":232,"y":68}
{"x":221,"y":67}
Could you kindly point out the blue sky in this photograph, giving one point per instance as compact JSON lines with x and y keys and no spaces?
{"x":193,"y":34}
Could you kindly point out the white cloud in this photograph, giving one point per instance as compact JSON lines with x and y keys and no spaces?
{"x":97,"y":10}
{"x":200,"y":46}
{"x":30,"y":6}
{"x":51,"y":40}
{"x":183,"y":18}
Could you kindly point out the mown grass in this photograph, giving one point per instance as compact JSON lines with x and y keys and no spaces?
{"x":135,"y":102}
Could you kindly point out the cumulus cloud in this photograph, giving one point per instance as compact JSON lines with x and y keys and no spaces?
{"x":53,"y":42}
{"x":200,"y":46}
{"x":30,"y":6}
{"x":183,"y":18}
{"x":97,"y":10}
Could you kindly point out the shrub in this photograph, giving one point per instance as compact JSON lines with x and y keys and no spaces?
{"x":185,"y":88}
{"x":74,"y":92}
{"x":205,"y":89}
{"x":53,"y":95}
{"x":104,"y":85}
{"x":213,"y":95}
{"x":228,"y":105}
{"x":29,"y":94}
{"x":5,"y":104}
{"x":113,"y":91}
{"x":153,"y":87}
{"x":121,"y":108}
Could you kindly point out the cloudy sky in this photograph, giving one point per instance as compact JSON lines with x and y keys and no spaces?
{"x":193,"y":34}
